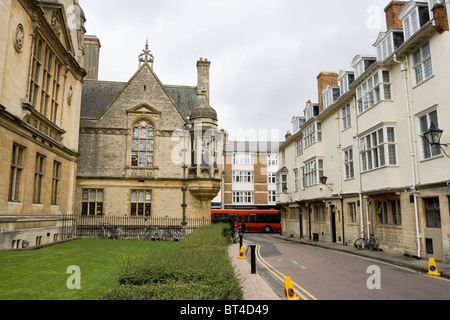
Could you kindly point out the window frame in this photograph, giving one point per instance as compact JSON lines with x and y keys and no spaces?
{"x":376,"y":154}
{"x":92,"y":204}
{"x":143,"y":148}
{"x":141,"y":205}
{"x":312,"y":172}
{"x":421,"y":64}
{"x":17,"y":158}
{"x":375,"y":89}
{"x":39,"y":171}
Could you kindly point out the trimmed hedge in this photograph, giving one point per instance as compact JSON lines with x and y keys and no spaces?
{"x":199,"y":269}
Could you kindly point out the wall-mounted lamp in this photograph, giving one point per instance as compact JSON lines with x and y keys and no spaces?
{"x":323,"y":180}
{"x":433,"y":136}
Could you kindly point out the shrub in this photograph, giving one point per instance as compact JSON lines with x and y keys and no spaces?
{"x":199,"y":269}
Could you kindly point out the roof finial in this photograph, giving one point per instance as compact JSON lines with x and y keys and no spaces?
{"x":146,"y":56}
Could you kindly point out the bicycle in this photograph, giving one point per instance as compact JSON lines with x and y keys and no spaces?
{"x":158,"y":234}
{"x":103,"y":233}
{"x":146,"y":233}
{"x":364,"y":242}
{"x":117,"y":233}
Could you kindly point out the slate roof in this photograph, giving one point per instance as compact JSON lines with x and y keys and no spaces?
{"x":97,"y":95}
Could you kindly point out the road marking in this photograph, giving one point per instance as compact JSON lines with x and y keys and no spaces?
{"x":278,"y":275}
{"x":298,"y":264}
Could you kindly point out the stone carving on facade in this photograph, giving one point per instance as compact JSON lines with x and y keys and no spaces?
{"x":70,"y":95}
{"x":19,"y":38}
{"x":56,"y":24}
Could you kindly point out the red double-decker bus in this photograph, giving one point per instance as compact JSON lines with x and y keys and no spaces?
{"x":255,"y":220}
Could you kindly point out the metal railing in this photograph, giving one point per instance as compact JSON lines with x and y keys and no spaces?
{"x":90,"y":226}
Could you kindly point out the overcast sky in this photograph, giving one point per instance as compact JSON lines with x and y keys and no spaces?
{"x":265,"y":54}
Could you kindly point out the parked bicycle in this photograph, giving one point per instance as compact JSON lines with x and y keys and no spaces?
{"x":146,"y":233}
{"x":103,"y":233}
{"x":173,"y":235}
{"x":158,"y":234}
{"x":369,"y":243}
{"x":117,"y":233}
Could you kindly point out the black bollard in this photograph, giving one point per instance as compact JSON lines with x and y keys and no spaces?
{"x":240,"y":241}
{"x":253,"y":258}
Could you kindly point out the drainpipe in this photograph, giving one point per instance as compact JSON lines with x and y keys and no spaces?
{"x":361,"y":213}
{"x":404,"y":69}
{"x":341,"y":176}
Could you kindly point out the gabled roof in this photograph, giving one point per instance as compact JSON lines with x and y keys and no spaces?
{"x":97,"y":96}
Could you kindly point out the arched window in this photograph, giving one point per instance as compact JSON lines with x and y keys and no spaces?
{"x":142,"y":145}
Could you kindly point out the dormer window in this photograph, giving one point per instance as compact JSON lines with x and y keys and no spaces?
{"x":345,"y":80}
{"x":330,"y":95}
{"x":388,"y":42}
{"x":362,"y":63}
{"x":311,"y":111}
{"x":413,"y":15}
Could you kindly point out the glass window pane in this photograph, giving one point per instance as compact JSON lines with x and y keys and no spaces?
{"x":133,"y":196}
{"x":141,"y":196}
{"x":100,"y":196}
{"x":92,"y":196}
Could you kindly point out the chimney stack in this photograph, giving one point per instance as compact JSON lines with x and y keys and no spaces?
{"x":203,"y":66}
{"x":92,"y":55}
{"x":392,"y":12}
{"x":325,"y":78}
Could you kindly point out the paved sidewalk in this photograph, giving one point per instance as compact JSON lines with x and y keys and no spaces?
{"x":254,"y":286}
{"x":419,"y":265}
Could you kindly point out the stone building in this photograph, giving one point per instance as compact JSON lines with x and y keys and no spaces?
{"x":147,"y":149}
{"x":41,"y":59}
{"x":361,"y":161}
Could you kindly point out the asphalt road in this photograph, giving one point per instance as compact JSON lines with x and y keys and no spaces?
{"x":321,"y":274}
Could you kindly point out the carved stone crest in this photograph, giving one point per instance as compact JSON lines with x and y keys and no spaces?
{"x":19,"y":38}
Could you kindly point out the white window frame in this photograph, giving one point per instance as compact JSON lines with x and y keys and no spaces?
{"x":272,"y":196}
{"x":374,"y":90}
{"x":299,"y":147}
{"x":272,"y":159}
{"x":312,"y":172}
{"x":243,"y":176}
{"x":346,"y":117}
{"x":411,"y":23}
{"x":312,"y":134}
{"x":378,"y":149}
{"x":422,"y":64}
{"x":282,"y":182}
{"x":426,"y":150}
{"x":271,"y":178}
{"x":242,"y":159}
{"x":243,"y":197}
{"x":349,"y":167}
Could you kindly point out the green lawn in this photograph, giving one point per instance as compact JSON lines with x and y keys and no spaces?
{"x":42,"y":274}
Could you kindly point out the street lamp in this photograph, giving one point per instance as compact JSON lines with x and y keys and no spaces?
{"x":433,"y":136}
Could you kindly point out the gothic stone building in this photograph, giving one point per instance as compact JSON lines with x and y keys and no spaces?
{"x":41,"y":59}
{"x":147,"y":149}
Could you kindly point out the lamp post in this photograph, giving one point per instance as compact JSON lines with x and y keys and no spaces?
{"x":433,"y":137}
{"x":184,"y":188}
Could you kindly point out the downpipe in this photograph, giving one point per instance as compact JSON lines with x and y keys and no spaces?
{"x":404,"y":70}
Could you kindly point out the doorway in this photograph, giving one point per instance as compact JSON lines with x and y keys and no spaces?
{"x":333,"y":223}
